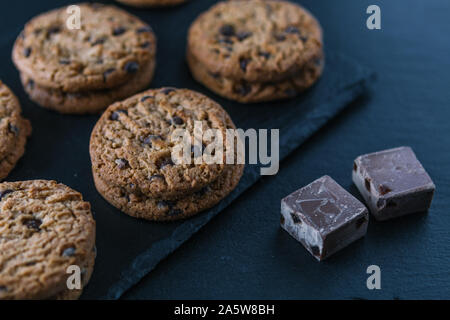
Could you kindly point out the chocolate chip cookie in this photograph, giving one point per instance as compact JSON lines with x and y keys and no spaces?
{"x":151,"y":3}
{"x":85,"y":101}
{"x":45,"y":227}
{"x":14,"y":131}
{"x":110,"y":56}
{"x":256,"y":50}
{"x":246,"y":92}
{"x":131,"y":145}
{"x":141,"y":206}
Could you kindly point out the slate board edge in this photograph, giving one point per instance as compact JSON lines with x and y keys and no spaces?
{"x":148,"y":260}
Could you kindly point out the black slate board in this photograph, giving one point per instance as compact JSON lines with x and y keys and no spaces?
{"x":129,"y":248}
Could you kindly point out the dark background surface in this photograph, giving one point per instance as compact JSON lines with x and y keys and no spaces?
{"x":243,"y":253}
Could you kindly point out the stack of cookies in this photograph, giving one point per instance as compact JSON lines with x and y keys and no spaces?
{"x":14,"y":131}
{"x":132,"y":151}
{"x":256,"y":50}
{"x":83,"y":67}
{"x":47,"y":243}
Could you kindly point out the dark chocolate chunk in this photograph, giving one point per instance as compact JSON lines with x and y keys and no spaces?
{"x":156,"y":176}
{"x":4,"y":193}
{"x":27,"y":52}
{"x":3,"y":289}
{"x":243,"y":89}
{"x":243,"y":62}
{"x":324,"y":217}
{"x":177,"y":120}
{"x":227,"y":30}
{"x":118,"y":31}
{"x":292,"y":29}
{"x":33,"y":224}
{"x":243,"y":35}
{"x":121,"y":163}
{"x":69,"y":252}
{"x":225,"y":40}
{"x":265,"y":54}
{"x":131,"y":67}
{"x":115,"y":115}
{"x":107,"y":73}
{"x":166,"y":162}
{"x":167,"y":90}
{"x":64,"y":61}
{"x":53,"y":30}
{"x":30,"y":84}
{"x":279,"y":37}
{"x":303,"y":38}
{"x":145,"y":45}
{"x":14,"y":129}
{"x":148,"y":140}
{"x":98,"y":41}
{"x":400,"y":185}
{"x":146,"y":97}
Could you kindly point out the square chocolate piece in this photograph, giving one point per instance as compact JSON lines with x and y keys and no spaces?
{"x":393,"y":183}
{"x":324,"y":217}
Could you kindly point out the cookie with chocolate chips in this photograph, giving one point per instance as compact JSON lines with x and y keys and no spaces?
{"x":250,"y":92}
{"x":45,"y":227}
{"x":151,"y":3}
{"x":14,"y":131}
{"x":111,"y":56}
{"x":132,"y":144}
{"x":141,"y":206}
{"x":86,"y":101}
{"x":256,"y":50}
